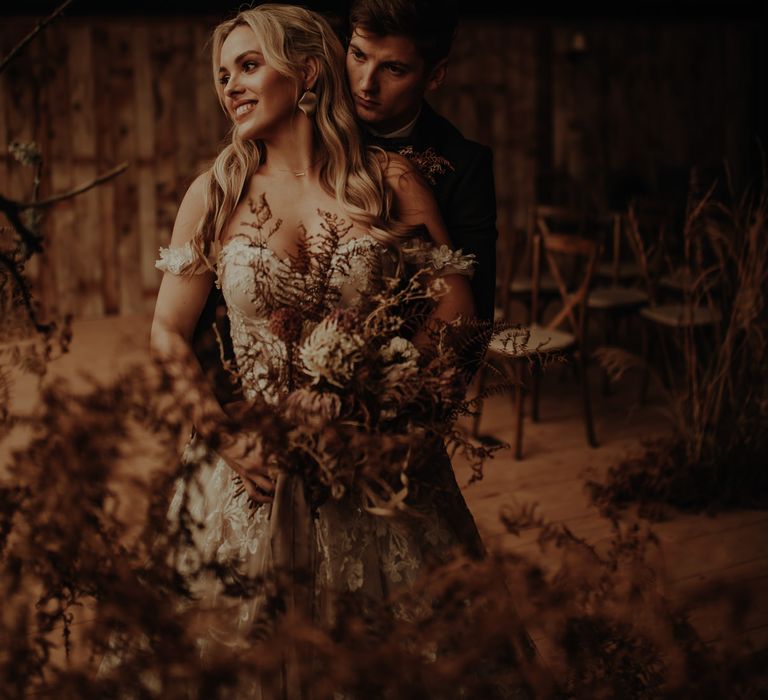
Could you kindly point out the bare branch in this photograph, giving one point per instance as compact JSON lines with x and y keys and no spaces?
{"x":73,"y":192}
{"x":12,"y":209}
{"x":40,"y":25}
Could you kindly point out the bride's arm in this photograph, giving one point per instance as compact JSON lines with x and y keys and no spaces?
{"x":180,"y":301}
{"x":415,"y":205}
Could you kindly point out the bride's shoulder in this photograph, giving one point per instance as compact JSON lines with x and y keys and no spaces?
{"x":195,"y":193}
{"x":413,"y":200}
{"x":184,"y":254}
{"x":395,"y":167}
{"x":405,"y":180}
{"x":191,"y":210}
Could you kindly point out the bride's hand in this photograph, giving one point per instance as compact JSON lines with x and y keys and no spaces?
{"x":244,"y":455}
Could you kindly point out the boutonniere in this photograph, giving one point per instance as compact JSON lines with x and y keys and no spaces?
{"x":428,"y":162}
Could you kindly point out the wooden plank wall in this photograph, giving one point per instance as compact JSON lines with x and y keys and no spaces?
{"x":654,"y":100}
{"x":97,"y":92}
{"x":92,"y":94}
{"x":644,"y":102}
{"x":490,"y":94}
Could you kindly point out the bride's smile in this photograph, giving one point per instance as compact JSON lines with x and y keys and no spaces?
{"x":258,"y":98}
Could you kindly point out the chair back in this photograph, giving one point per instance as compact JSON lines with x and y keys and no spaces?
{"x":513,"y":254}
{"x":647,"y":224}
{"x":572,"y":260}
{"x":615,"y":253}
{"x":517,"y":252}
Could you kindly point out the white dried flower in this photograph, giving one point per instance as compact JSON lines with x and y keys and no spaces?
{"x":399,"y":350}
{"x":438,"y":288}
{"x":442,"y":257}
{"x":331,"y":353}
{"x":450,"y":261}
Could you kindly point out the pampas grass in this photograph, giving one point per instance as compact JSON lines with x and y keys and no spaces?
{"x":717,"y":452}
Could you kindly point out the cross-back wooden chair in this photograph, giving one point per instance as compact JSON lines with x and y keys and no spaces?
{"x":618,"y":266}
{"x":619,"y":296}
{"x":511,"y":262}
{"x":690,"y":312}
{"x":517,"y":277}
{"x":564,"y":334}
{"x":687,"y":324}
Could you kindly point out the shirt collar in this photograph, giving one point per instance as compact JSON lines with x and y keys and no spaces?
{"x":398,"y":133}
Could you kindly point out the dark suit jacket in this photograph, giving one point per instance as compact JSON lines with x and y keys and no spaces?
{"x":465,"y":192}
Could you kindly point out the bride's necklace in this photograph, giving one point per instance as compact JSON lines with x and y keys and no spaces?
{"x":295,"y":173}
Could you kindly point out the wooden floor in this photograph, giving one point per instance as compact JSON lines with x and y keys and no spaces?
{"x":729,"y":547}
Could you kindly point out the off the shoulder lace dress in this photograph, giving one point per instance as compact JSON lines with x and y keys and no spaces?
{"x":348,"y":550}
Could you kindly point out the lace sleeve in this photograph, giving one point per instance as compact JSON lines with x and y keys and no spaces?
{"x":442,"y":259}
{"x":184,"y":260}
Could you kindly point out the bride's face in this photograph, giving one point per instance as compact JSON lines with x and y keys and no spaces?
{"x":258,"y":99}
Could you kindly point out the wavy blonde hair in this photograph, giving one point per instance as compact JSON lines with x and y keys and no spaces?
{"x":349,"y":171}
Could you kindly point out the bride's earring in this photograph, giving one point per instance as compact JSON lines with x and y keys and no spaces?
{"x":308,"y":103}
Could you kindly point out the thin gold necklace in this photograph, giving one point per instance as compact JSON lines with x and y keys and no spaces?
{"x":300,"y":173}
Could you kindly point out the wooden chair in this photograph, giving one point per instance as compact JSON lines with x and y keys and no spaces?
{"x":680,"y":282}
{"x":690,"y":312}
{"x":544,"y":341}
{"x":510,"y":263}
{"x":685,"y":324}
{"x":620,"y":299}
{"x":517,"y":280}
{"x":620,"y":266}
{"x":648,"y":225}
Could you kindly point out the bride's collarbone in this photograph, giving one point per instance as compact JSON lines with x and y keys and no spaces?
{"x":284,"y":218}
{"x":298,"y":199}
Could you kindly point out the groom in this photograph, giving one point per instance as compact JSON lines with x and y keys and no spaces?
{"x":398,"y":51}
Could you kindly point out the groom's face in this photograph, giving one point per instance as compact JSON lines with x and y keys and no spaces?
{"x":387,"y":78}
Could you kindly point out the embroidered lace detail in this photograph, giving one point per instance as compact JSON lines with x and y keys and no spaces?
{"x":361,"y":551}
{"x":356,"y":548}
{"x":260,"y":354}
{"x":442,"y":259}
{"x":363,"y":266}
{"x":182,"y":260}
{"x":229,"y":531}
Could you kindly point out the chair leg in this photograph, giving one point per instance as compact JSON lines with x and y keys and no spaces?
{"x":646,"y":378}
{"x":587,"y":400}
{"x":608,"y":339}
{"x":519,"y":410}
{"x":480,"y":386}
{"x":668,"y":366}
{"x":536,"y":372}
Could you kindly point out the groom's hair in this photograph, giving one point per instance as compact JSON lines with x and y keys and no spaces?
{"x":430,"y":24}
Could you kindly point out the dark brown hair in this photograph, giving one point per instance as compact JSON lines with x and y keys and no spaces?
{"x":430,"y":24}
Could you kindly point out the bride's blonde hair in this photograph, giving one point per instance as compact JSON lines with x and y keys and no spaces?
{"x":348,"y":171}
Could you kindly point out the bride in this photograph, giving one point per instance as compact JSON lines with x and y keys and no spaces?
{"x":295,"y":157}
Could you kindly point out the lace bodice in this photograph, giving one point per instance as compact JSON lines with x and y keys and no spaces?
{"x":255,"y":281}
